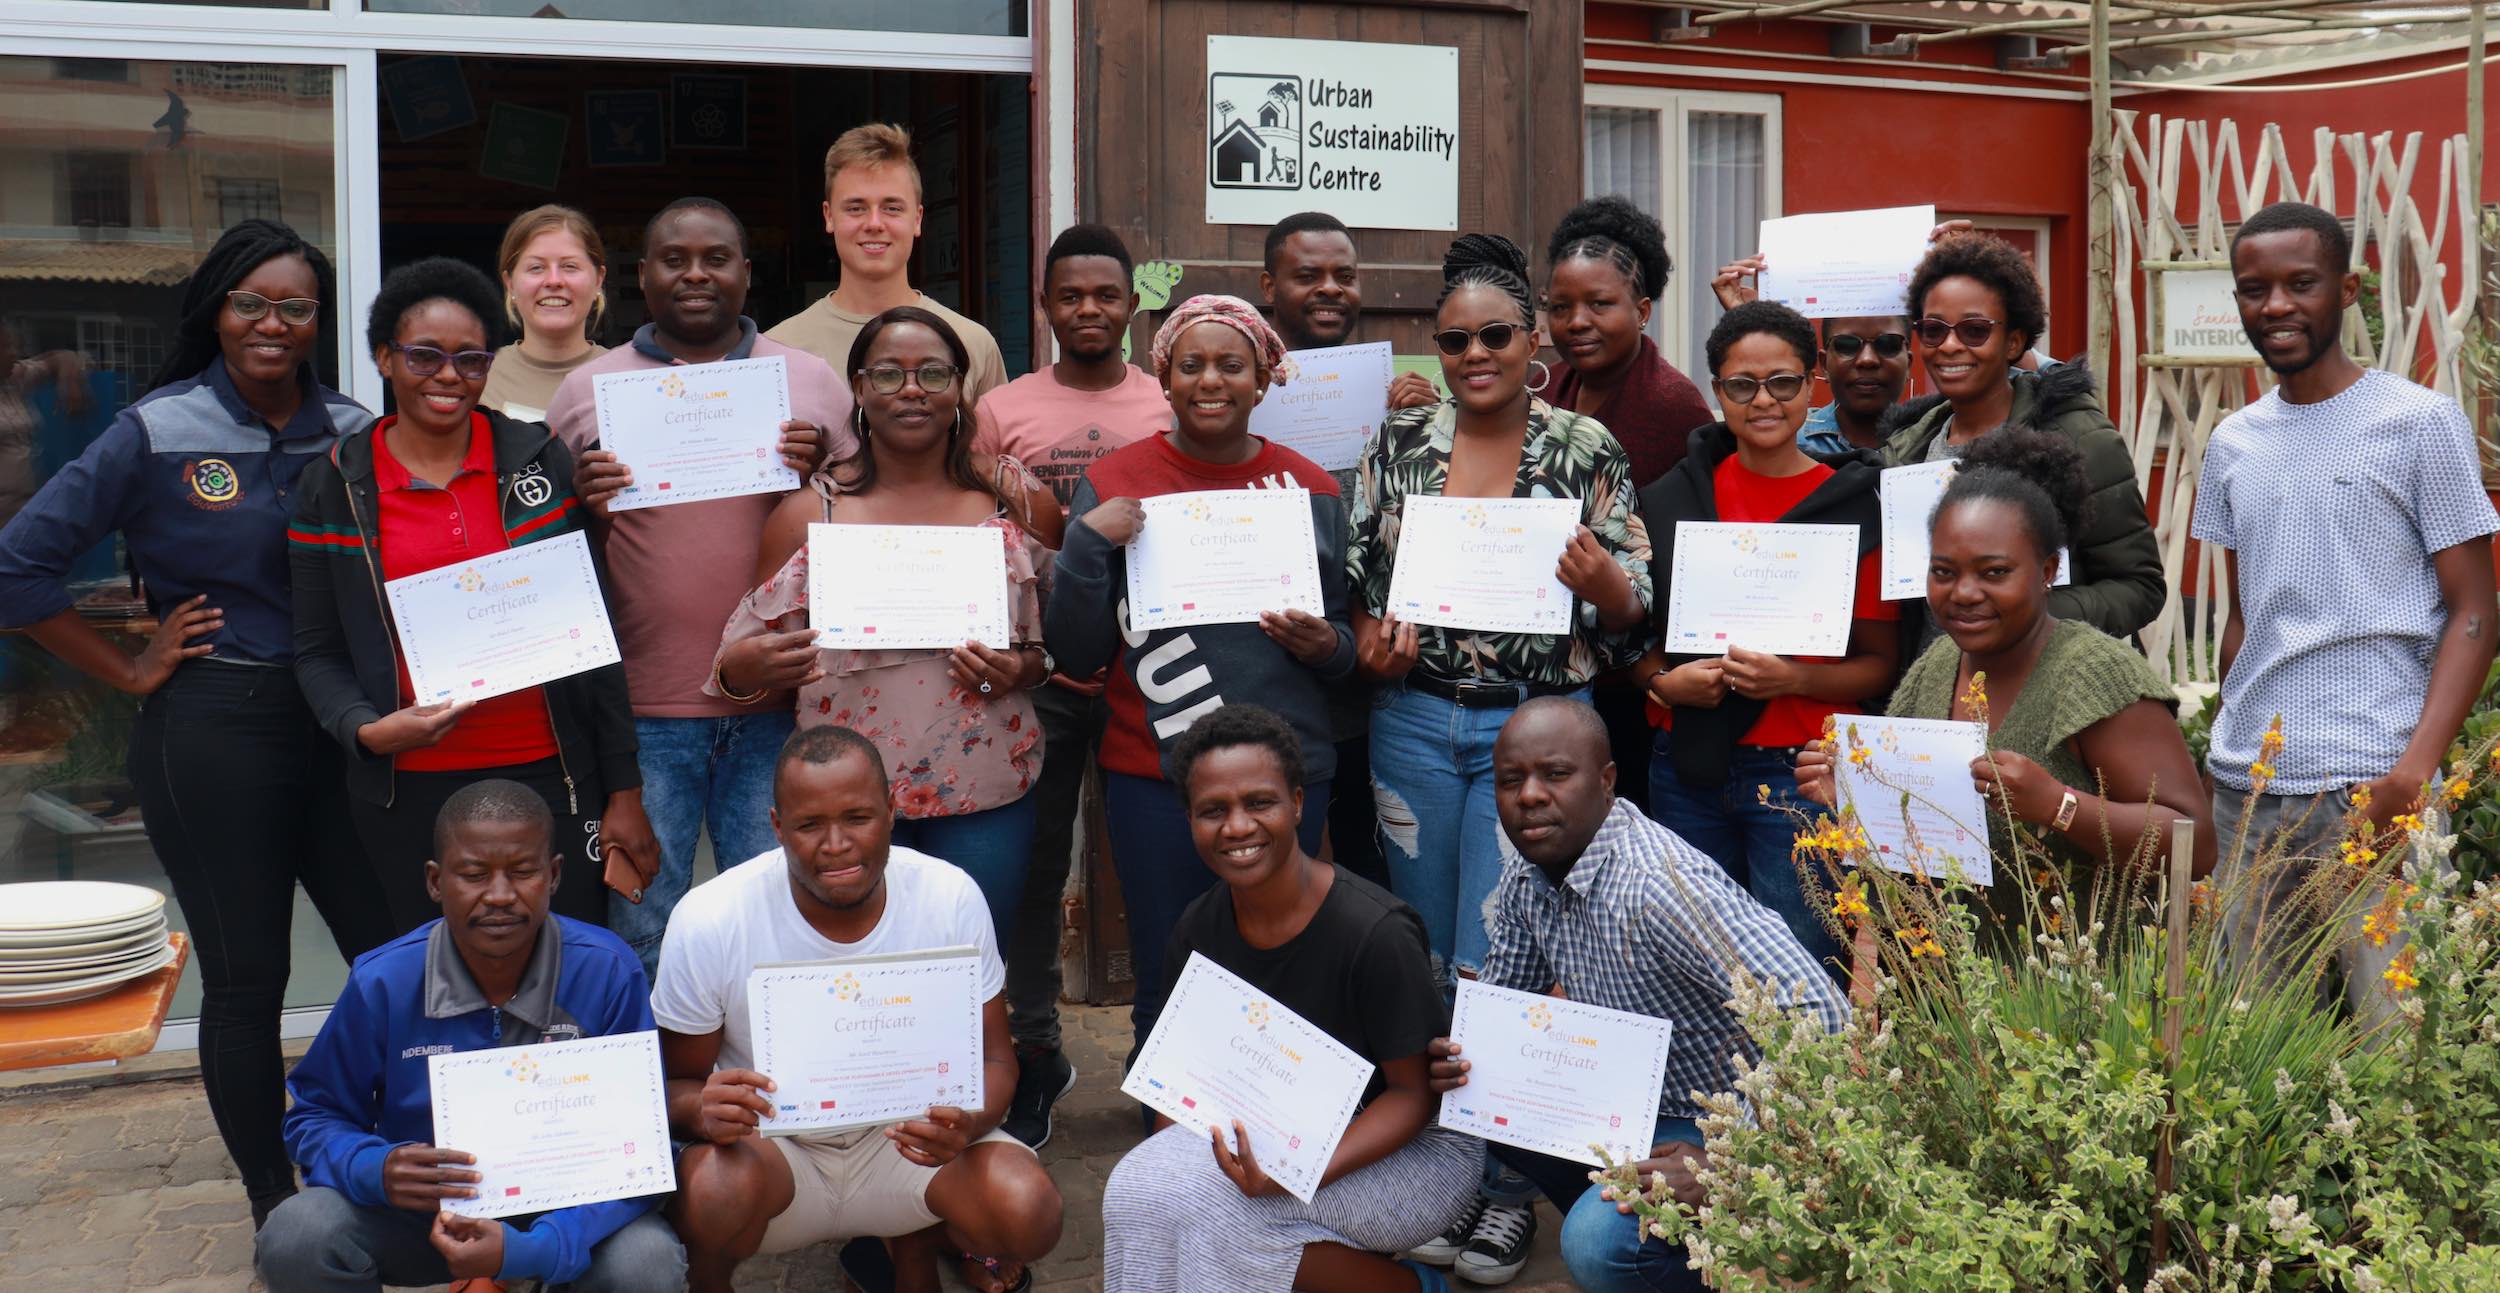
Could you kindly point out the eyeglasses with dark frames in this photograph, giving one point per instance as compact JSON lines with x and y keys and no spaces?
{"x":1888,"y":345}
{"x":425,"y":361}
{"x":1495,"y":336}
{"x":1974,"y":332}
{"x":888,"y":379}
{"x":1741,"y":390}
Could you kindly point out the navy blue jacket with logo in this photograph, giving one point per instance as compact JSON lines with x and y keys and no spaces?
{"x":201,"y":491}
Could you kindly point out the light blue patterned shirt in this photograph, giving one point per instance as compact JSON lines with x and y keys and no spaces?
{"x":1645,"y":923}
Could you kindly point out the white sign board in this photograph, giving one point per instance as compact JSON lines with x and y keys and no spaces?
{"x":2200,"y":317}
{"x":1366,"y":132}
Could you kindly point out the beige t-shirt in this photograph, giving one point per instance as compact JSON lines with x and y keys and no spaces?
{"x":522,"y":388}
{"x":827,"y":333}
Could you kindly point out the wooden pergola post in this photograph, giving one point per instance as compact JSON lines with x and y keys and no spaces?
{"x":2102,"y":302}
{"x":2474,"y":73}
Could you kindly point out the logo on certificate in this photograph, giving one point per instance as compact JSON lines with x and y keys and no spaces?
{"x":1747,"y":541}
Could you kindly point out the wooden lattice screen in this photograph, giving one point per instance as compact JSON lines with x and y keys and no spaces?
{"x":2182,"y":187}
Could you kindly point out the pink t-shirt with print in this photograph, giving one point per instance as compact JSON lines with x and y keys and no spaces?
{"x":1058,"y":431}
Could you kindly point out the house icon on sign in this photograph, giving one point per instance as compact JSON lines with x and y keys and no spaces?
{"x":1258,"y":147}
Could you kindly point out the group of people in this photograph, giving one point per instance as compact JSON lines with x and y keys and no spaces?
{"x":1345,"y":808}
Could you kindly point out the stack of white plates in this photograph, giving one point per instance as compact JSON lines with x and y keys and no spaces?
{"x":65,"y":940}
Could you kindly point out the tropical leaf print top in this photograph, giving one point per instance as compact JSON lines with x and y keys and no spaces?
{"x":1565,"y":455}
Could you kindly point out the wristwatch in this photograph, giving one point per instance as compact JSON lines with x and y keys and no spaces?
{"x":2065,"y":811}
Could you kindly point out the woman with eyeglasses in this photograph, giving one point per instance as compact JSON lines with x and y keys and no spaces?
{"x":1445,"y":693}
{"x":237,"y":784}
{"x":555,"y":270}
{"x":1729,"y":727}
{"x":956,"y":726}
{"x":439,"y":482}
{"x":1978,"y":310}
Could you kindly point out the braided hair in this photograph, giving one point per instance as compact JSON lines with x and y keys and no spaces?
{"x":1613,"y":230}
{"x":247,"y":246}
{"x":2038,"y":474}
{"x":1488,"y":260}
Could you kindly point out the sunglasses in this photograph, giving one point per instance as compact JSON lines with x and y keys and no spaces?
{"x":1888,"y":345}
{"x":1973,"y":332}
{"x":252,"y":307}
{"x":1741,"y":390}
{"x":425,"y":361}
{"x":888,"y":379}
{"x":1495,"y":336}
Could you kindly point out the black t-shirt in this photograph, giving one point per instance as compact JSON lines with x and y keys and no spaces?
{"x":1360,"y":970}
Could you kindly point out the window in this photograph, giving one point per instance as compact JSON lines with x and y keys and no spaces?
{"x":1707,"y":165}
{"x":246,"y":199}
{"x":95,"y":190}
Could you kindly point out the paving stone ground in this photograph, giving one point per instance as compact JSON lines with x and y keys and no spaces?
{"x":127,"y":1186}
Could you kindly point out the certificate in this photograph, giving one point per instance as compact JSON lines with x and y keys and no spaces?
{"x":1223,"y":1053}
{"x":502,"y":622}
{"x":1328,"y":412}
{"x":1483,"y":563}
{"x":1785,"y":589}
{"x":1222,"y":556}
{"x":556,"y":1124}
{"x":1558,"y":1077}
{"x":892,"y":587}
{"x":1908,"y":780}
{"x":1844,"y":264}
{"x":869,"y":1040}
{"x":696,"y":431}
{"x":1909,"y":496}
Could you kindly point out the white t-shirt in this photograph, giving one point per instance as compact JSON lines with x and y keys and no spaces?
{"x":746,"y":917}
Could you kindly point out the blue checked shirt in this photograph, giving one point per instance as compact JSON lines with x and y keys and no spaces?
{"x":1646,"y":923}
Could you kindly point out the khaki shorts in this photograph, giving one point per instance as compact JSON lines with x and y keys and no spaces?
{"x":853,"y":1184}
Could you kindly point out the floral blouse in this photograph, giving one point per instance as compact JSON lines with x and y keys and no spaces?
{"x":1565,"y":455}
{"x":949,"y":751}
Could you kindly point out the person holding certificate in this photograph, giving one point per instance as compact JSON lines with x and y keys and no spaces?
{"x":1446,"y":692}
{"x":956,"y":727}
{"x":439,"y":483}
{"x":1730,"y":725}
{"x":2083,"y":738}
{"x":838,"y":888}
{"x":1216,"y":357}
{"x":494,"y":969}
{"x":1191,"y":1211}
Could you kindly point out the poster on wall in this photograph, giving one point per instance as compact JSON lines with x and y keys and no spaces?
{"x":428,"y":96}
{"x":1365,"y":131}
{"x":524,"y":146}
{"x":2200,"y":318}
{"x":625,"y":127}
{"x":707,"y":111}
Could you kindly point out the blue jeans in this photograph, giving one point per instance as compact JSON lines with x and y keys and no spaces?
{"x":318,"y":1242}
{"x":1749,"y":838}
{"x":1432,"y":781}
{"x":993,"y":846}
{"x":1161,"y":874}
{"x":1605,"y":1250}
{"x":699,"y":772}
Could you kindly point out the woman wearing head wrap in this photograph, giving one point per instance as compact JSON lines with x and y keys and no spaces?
{"x":1216,"y":358}
{"x":238,"y":785}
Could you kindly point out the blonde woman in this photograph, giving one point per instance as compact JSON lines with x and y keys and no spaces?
{"x":553,"y":266}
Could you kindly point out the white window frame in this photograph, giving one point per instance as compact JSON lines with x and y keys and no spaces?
{"x":1675,"y":331}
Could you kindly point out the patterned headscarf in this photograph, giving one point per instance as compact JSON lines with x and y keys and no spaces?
{"x":1232,"y":312}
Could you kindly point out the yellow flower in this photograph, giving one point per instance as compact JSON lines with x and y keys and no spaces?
{"x":2261,"y":770}
{"x":2409,"y":823}
{"x":2458,"y":788}
{"x":2356,"y":853}
{"x":1761,"y":793}
{"x":2361,"y":798}
{"x":2376,"y":932}
{"x":1850,"y":901}
{"x":1922,"y":943}
{"x":1976,"y":694}
{"x":1862,"y":756}
{"x":2399,"y":974}
{"x":2271,"y":744}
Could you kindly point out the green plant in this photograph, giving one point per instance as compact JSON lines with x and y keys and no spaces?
{"x":2198,"y":727}
{"x":2477,"y":817}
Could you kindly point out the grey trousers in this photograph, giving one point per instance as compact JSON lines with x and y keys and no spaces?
{"x":319,"y":1242}
{"x":2258,"y":918}
{"x":1072,"y":726}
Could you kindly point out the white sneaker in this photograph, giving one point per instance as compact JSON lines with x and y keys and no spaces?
{"x":1445,"y":1248}
{"x":1499,"y":1246}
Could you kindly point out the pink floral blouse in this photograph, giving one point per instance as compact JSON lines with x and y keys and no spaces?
{"x":950,"y":751}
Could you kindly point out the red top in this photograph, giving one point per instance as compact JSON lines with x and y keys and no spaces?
{"x":426,"y":527}
{"x":1742,"y":495}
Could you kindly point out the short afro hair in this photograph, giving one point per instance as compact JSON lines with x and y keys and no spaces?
{"x":2040,"y":474}
{"x":1760,"y":316}
{"x":1299,"y":222}
{"x":436,"y":278}
{"x":695,"y":204}
{"x":819,"y":746}
{"x":493,"y":800}
{"x":1997,"y":266}
{"x":2293,"y":217}
{"x":1088,"y":240}
{"x":1613,"y":230}
{"x":1228,"y":726}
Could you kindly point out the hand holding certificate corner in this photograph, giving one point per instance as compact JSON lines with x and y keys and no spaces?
{"x":1909,"y":781}
{"x":1487,"y":564}
{"x":869,"y":1040}
{"x":1784,"y":589}
{"x":1844,"y":264}
{"x":502,"y":622}
{"x":1223,"y":556}
{"x":1222,"y":1053}
{"x":1559,"y":1077}
{"x":557,"y":1124}
{"x":692,"y":432}
{"x":896,"y":587}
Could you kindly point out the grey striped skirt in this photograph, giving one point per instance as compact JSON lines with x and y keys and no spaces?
{"x":1173,"y":1223}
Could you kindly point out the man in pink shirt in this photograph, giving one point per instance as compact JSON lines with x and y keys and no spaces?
{"x":675,"y":572}
{"x":1058,"y":421}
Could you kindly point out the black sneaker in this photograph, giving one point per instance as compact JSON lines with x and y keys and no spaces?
{"x":1445,"y":1248}
{"x":1041,"y":1078}
{"x":1499,"y":1247}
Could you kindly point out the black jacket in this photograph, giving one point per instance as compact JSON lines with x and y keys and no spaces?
{"x":1705,"y":739}
{"x":347,"y":653}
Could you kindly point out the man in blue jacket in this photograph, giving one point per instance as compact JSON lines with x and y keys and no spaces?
{"x":496,"y":970}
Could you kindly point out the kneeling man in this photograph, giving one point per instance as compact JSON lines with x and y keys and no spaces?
{"x":836,"y":888}
{"x":496,"y":970}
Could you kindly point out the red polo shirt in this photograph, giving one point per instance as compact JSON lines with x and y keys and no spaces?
{"x":426,"y":527}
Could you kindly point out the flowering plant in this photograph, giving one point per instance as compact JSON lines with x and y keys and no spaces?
{"x":2090,"y":1093}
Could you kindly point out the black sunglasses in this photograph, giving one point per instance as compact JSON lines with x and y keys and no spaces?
{"x":1973,"y":332}
{"x":1741,"y":390}
{"x":1495,"y":336}
{"x":425,"y":361}
{"x":1888,"y":345}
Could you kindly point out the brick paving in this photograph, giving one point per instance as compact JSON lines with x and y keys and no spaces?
{"x":127,"y":1187}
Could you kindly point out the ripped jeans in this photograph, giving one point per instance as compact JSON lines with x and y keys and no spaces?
{"x":1432,"y":782}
